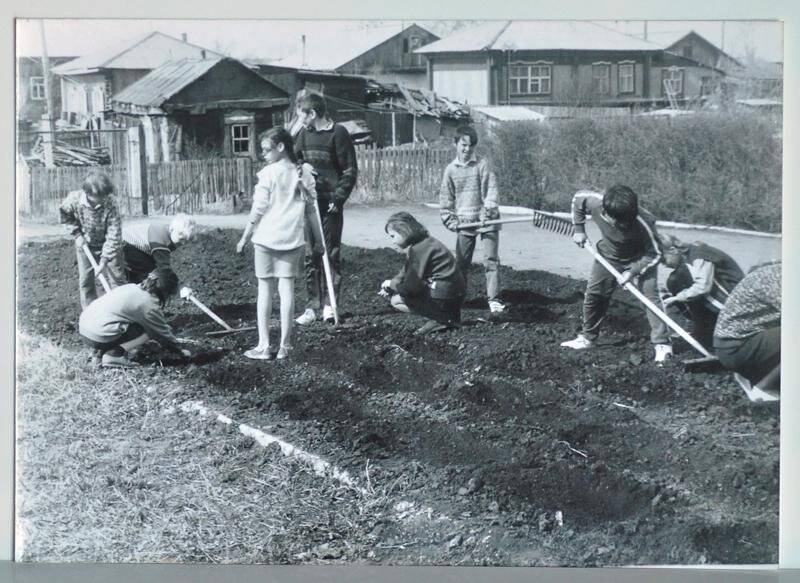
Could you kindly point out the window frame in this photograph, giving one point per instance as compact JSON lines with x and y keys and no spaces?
{"x":530,"y":78}
{"x":607,"y":78}
{"x":671,"y":71}
{"x":620,"y":89}
{"x":35,"y":85}
{"x":238,"y":140}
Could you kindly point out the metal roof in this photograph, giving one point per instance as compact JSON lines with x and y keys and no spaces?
{"x":159,"y":85}
{"x":327,"y":52}
{"x":528,"y":35}
{"x":509,"y":112}
{"x":142,"y":52}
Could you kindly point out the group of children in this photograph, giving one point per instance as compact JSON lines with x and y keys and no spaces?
{"x":298,"y":212}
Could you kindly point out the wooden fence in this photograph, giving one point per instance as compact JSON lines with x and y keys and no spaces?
{"x":226,"y":184}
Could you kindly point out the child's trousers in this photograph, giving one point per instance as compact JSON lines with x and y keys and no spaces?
{"x":465,"y":248}
{"x":87,"y":282}
{"x":599,"y":289}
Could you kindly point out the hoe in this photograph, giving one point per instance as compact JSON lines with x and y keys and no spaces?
{"x":188,"y":294}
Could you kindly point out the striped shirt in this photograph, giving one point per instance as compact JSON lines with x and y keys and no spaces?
{"x":467,"y":191}
{"x":636,"y":246}
{"x":147,"y":246}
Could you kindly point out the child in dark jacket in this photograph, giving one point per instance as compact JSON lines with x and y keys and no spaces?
{"x":430,"y":283}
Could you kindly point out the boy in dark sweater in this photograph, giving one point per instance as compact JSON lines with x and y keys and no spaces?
{"x":631,"y":245}
{"x":329,"y":149}
{"x":702,"y":279}
{"x":128,"y":316}
{"x":430,"y":283}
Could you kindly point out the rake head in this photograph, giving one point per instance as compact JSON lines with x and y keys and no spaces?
{"x":552,"y":223}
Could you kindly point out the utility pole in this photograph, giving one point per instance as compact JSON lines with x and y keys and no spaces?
{"x":47,"y":118}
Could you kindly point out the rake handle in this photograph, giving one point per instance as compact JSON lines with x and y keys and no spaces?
{"x":98,"y":274}
{"x":326,"y":264}
{"x":208,"y":311}
{"x":647,"y":303}
{"x":526,"y":219}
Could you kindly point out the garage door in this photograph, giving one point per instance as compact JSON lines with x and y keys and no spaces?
{"x":465,"y":85}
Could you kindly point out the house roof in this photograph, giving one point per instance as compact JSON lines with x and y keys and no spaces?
{"x":509,"y":112}
{"x":331,"y":51}
{"x":669,"y":38}
{"x":142,"y":52}
{"x":527,"y":35}
{"x":159,"y":85}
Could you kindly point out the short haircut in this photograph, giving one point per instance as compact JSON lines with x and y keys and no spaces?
{"x":183,"y":225}
{"x":469,"y":131}
{"x":405,"y":224}
{"x":670,"y":241}
{"x":162,"y":283}
{"x":621,"y":203}
{"x":314,"y":102}
{"x":279,"y":135}
{"x":98,"y":184}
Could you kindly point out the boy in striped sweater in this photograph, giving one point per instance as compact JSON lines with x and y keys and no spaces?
{"x":631,"y":245}
{"x":149,"y":246}
{"x":469,"y":194}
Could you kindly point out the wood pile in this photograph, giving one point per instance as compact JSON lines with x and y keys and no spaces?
{"x":65,"y":154}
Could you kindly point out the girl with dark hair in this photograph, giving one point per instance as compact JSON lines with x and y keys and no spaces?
{"x":282,"y":203}
{"x":430,"y":283}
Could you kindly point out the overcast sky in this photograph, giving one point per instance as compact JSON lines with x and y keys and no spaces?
{"x":270,"y":39}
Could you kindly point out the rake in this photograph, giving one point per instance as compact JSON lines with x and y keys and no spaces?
{"x":563,"y":226}
{"x":188,"y":294}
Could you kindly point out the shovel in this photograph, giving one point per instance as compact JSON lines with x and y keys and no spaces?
{"x":98,"y":274}
{"x":188,"y":294}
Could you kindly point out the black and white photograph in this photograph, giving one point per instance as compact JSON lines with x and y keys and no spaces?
{"x":499,"y":293}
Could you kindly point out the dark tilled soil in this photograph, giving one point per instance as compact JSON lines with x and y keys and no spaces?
{"x":493,"y":424}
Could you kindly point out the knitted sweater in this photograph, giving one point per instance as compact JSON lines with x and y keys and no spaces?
{"x":331,"y":153}
{"x":430,"y":264}
{"x":713,"y":273}
{"x":100,"y":224}
{"x":754,"y":305}
{"x":279,"y":207}
{"x":468,"y":194}
{"x":635,"y":246}
{"x":106,"y":318}
{"x":147,"y":246}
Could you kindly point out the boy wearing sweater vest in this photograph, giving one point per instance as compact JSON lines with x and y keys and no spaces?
{"x":631,"y":245}
{"x":468,"y":195}
{"x":149,"y":246}
{"x":702,"y":279}
{"x":328,"y":148}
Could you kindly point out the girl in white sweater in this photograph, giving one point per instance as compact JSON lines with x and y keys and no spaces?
{"x":283,"y":200}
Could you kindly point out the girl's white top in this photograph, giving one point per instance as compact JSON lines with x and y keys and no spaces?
{"x":279,"y":206}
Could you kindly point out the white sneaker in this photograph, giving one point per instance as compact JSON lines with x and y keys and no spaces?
{"x":327,"y":314}
{"x":496,"y":307}
{"x":754,"y":393}
{"x":579,"y":343}
{"x":663,"y":353}
{"x":306,"y":317}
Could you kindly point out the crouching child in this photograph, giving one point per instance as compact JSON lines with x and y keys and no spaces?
{"x":149,"y":246}
{"x":430,"y":283}
{"x":128,"y":316}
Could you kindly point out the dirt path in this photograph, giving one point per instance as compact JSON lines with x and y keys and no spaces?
{"x":521,"y":246}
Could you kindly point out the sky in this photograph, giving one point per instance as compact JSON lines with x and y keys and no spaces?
{"x":273,"y":39}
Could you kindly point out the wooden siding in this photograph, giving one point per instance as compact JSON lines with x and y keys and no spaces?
{"x":390,"y":56}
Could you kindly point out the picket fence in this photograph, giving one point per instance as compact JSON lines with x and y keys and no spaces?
{"x":226,"y":184}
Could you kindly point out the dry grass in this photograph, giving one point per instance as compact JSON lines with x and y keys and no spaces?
{"x":110,"y":470}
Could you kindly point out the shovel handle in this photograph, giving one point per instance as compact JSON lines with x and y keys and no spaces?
{"x":98,"y":274}
{"x":647,"y":303}
{"x":208,"y":311}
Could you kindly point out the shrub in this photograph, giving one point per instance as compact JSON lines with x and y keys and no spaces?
{"x":712,"y":168}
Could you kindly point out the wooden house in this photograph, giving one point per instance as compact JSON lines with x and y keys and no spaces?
{"x":568,"y":63}
{"x":31,"y":103}
{"x":88,"y":82}
{"x":691,"y":45}
{"x":200,"y":107}
{"x":384,"y":53}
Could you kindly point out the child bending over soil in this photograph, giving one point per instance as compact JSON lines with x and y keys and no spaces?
{"x":700,"y":284}
{"x":631,"y":245}
{"x":128,"y":316}
{"x":430,"y":283}
{"x":149,"y":246}
{"x":94,"y":222}
{"x":283,"y":202}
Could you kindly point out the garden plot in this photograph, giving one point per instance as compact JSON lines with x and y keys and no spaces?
{"x":486,"y":445}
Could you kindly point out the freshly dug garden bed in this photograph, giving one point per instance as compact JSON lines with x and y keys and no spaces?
{"x":504,"y":448}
